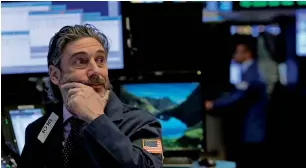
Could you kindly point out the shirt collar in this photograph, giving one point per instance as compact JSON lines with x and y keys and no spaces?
{"x":66,"y":114}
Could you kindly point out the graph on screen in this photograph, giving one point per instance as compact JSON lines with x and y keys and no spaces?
{"x":212,"y":9}
{"x":255,"y":30}
{"x":27,"y":28}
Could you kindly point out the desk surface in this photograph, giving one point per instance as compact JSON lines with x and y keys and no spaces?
{"x":220,"y":164}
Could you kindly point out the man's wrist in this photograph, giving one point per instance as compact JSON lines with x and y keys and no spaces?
{"x":93,"y":117}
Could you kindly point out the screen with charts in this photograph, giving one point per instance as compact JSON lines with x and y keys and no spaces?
{"x":178,"y":107}
{"x":212,"y":9}
{"x":20,"y":120}
{"x":254,"y":30}
{"x":301,"y":33}
{"x":27,"y":27}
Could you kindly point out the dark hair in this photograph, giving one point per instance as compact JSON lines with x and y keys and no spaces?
{"x":58,"y":43}
{"x":249,"y":42}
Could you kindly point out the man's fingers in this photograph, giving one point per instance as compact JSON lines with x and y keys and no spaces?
{"x":73,"y":91}
{"x":106,"y":95}
{"x":72,"y":85}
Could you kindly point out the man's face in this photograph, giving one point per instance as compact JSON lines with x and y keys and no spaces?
{"x":241,"y":53}
{"x":84,"y":61}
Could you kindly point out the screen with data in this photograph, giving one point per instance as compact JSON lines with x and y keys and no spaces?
{"x":178,"y":107}
{"x":20,"y":120}
{"x":301,"y":33}
{"x":255,"y":30}
{"x":212,"y":10}
{"x":27,"y":27}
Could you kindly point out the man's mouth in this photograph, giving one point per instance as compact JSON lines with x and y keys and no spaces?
{"x":96,"y":87}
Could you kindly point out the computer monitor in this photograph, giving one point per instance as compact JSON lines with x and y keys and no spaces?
{"x":254,"y":30}
{"x":137,"y":1}
{"x":301,"y":33}
{"x":27,"y":28}
{"x":212,"y":10}
{"x":178,"y":107}
{"x":20,"y":119}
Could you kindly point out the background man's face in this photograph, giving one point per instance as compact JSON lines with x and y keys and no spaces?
{"x":241,"y":53}
{"x":84,"y":60}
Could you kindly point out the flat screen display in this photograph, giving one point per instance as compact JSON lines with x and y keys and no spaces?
{"x":20,"y":120}
{"x":254,"y":30}
{"x":178,"y":107}
{"x":212,"y":9}
{"x":27,"y":27}
{"x":301,"y":33}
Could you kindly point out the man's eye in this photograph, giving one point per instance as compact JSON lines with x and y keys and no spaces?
{"x":79,"y":61}
{"x":100,"y":60}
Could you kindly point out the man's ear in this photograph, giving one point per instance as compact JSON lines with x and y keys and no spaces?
{"x":54,"y":74}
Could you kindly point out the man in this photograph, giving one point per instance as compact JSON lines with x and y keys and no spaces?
{"x":92,"y":128}
{"x":245,"y":107}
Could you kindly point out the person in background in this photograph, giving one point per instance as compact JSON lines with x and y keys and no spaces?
{"x":245,"y":108}
{"x":266,"y":64}
{"x":90,"y":128}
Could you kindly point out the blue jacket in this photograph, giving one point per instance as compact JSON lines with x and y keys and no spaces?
{"x":251,"y":99}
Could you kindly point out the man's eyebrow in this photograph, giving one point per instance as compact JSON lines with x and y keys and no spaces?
{"x":78,"y":53}
{"x":100,"y":52}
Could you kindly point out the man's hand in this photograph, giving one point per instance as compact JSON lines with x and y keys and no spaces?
{"x":209,"y":105}
{"x":83,"y":101}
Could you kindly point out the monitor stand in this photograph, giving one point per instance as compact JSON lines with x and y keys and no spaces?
{"x":177,"y":161}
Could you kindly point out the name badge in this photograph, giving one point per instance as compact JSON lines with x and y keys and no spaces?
{"x":46,"y":129}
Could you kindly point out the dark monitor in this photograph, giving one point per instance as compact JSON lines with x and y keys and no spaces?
{"x":178,"y":107}
{"x":27,"y":28}
{"x":301,"y":33}
{"x":20,"y":119}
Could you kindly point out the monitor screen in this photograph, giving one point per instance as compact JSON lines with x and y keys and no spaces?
{"x":137,"y":1}
{"x":20,"y":120}
{"x":254,"y":30}
{"x":27,"y":28}
{"x":178,"y":107}
{"x":301,"y":33}
{"x":212,"y":9}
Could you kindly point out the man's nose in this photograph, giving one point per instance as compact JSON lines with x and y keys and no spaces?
{"x":93,"y":68}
